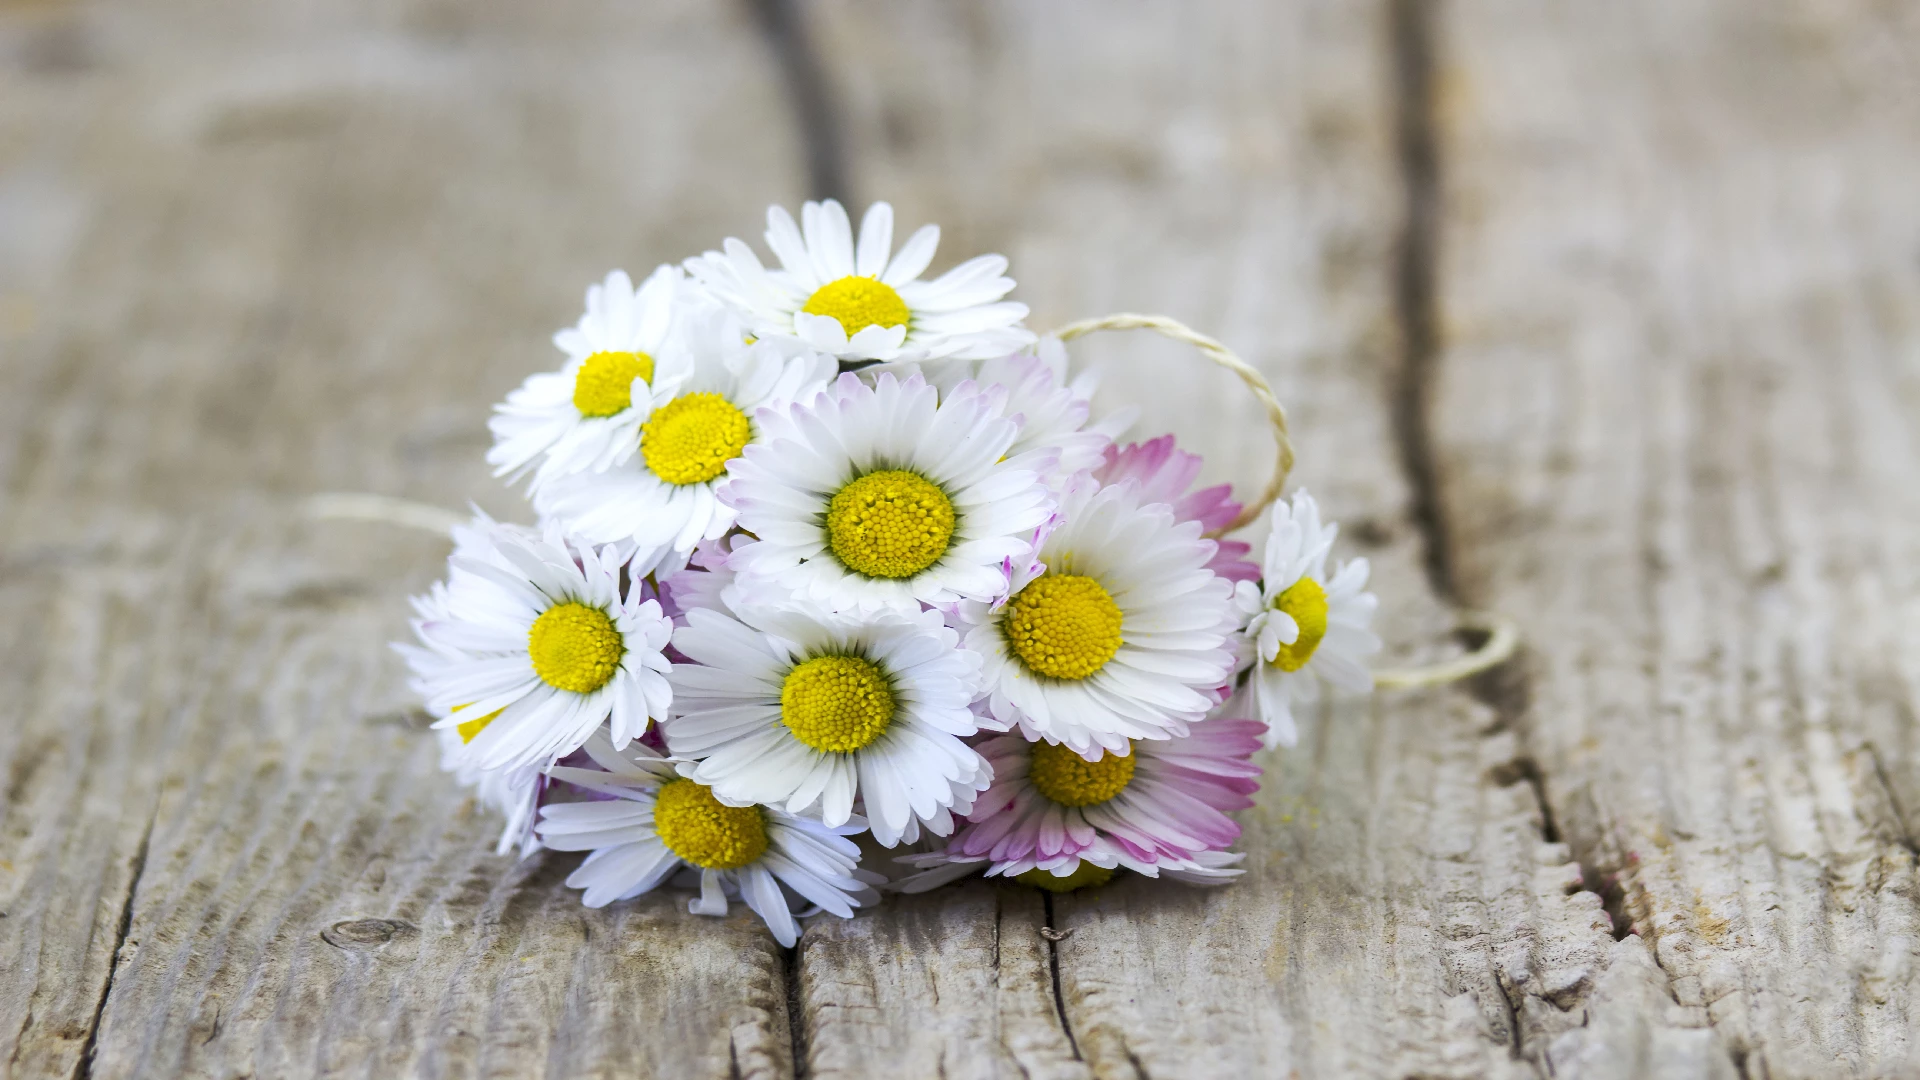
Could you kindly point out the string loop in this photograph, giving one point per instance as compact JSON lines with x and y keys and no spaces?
{"x":1226,"y":358}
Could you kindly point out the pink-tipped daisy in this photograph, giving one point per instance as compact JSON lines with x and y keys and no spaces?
{"x":1161,"y":807}
{"x":1164,"y":474}
{"x":1057,"y":437}
{"x":1117,"y":632}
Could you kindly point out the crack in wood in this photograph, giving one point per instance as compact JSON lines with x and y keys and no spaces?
{"x":1411,"y":24}
{"x":816,"y":110}
{"x":790,"y":960}
{"x":135,"y":872}
{"x":1053,"y":970}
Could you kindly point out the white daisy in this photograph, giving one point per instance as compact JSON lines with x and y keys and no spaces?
{"x":659,"y":826}
{"x":550,"y":647}
{"x":885,"y":495}
{"x":796,"y":707}
{"x":863,"y":301}
{"x":1056,"y":438}
{"x":1304,"y":626}
{"x":584,"y":416}
{"x":1116,"y":631}
{"x":512,"y":792}
{"x":688,"y":427}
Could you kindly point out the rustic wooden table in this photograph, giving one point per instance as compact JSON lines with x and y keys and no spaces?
{"x":1603,"y":315}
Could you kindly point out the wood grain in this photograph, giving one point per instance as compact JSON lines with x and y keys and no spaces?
{"x":273,"y":250}
{"x":1673,"y":409}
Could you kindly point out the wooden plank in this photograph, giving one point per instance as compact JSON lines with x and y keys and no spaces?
{"x":268,"y":250}
{"x":1236,"y":169}
{"x":1673,"y":411}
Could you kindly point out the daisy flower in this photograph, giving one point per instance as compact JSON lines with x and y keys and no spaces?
{"x":584,"y":416}
{"x":890,"y":495}
{"x":1055,"y":437}
{"x":658,"y":826}
{"x":549,"y":645}
{"x":863,"y":301}
{"x":1117,"y":631}
{"x":796,"y":707}
{"x":1164,"y":474}
{"x":1058,"y":820}
{"x":512,"y":792}
{"x":689,"y":426}
{"x":1305,"y":627}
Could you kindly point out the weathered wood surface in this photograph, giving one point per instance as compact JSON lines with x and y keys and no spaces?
{"x":1675,"y":398}
{"x":271,"y":250}
{"x":1650,"y":399}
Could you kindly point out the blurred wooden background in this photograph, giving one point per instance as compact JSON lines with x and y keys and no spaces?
{"x":1603,"y":315}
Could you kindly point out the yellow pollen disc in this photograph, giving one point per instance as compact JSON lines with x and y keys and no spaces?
{"x":1071,"y":780}
{"x":691,"y":438}
{"x":1086,"y":875}
{"x":706,"y":832}
{"x":1063,"y":626}
{"x":859,"y":302}
{"x":889,"y":524}
{"x":575,"y":647}
{"x":836,"y":703}
{"x":469,"y":728}
{"x":604,"y":384}
{"x":1306,"y":601}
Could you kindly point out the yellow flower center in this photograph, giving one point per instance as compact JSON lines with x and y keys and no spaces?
{"x":836,"y":703}
{"x":690,"y":439}
{"x":575,"y":647}
{"x":1306,"y":602}
{"x":1063,"y":626}
{"x":859,"y":302}
{"x":604,"y":384}
{"x":469,"y":728}
{"x":1071,"y":780}
{"x":704,"y":831}
{"x":889,"y":524}
{"x":1084,"y":876}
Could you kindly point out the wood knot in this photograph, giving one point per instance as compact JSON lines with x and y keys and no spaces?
{"x":364,"y":933}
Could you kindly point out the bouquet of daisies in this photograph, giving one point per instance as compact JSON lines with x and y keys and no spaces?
{"x":834,"y":549}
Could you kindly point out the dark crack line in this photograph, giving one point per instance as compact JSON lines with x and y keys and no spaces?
{"x":815,"y":110}
{"x":790,"y":960}
{"x":1905,"y":837}
{"x":137,"y":871}
{"x":1412,"y":26}
{"x":1416,"y":261}
{"x":1053,"y":969}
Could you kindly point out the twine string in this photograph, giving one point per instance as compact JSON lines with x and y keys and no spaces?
{"x":1503,"y":640}
{"x":359,"y":506}
{"x":1503,"y":634}
{"x":1226,"y":358}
